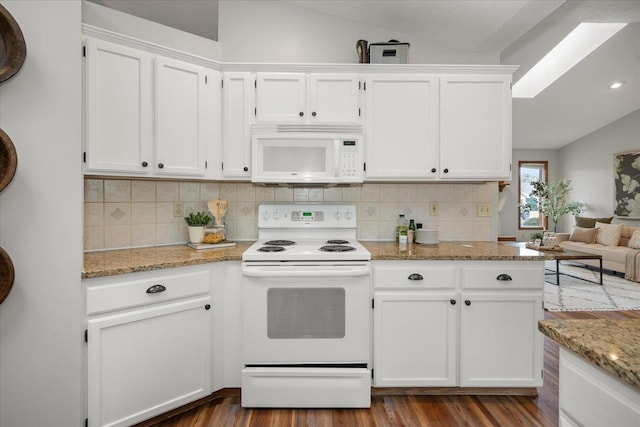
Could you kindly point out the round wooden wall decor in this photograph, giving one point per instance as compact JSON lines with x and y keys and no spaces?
{"x":13,"y":49}
{"x":7,"y":274}
{"x":8,"y":160}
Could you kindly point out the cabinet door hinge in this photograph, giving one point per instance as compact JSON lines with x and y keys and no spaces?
{"x":372,"y":373}
{"x":510,"y":86}
{"x":206,"y":80}
{"x":365,"y":166}
{"x":359,"y":85}
{"x":84,"y":51}
{"x":222,"y":165}
{"x":542,"y":373}
{"x":86,"y":335}
{"x":365,"y":85}
{"x":255,"y":84}
{"x":359,"y":112}
{"x":255,"y":111}
{"x":86,"y":422}
{"x":373,"y":303}
{"x":84,"y":157}
{"x":222,"y":83}
{"x":206,"y":165}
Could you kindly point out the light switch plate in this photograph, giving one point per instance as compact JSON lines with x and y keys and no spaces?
{"x":434,"y":209}
{"x":484,"y":209}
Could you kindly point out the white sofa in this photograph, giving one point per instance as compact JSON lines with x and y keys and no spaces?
{"x":613,"y":257}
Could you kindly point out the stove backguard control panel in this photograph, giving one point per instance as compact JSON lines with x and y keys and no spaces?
{"x":306,"y":216}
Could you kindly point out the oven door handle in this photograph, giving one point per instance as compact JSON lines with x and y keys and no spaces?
{"x":299,"y":272}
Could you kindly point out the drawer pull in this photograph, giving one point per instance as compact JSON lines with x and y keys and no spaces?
{"x":452,"y":301}
{"x":467,"y":302}
{"x":155,"y":289}
{"x":504,"y":278}
{"x":415,"y":276}
{"x":207,"y":306}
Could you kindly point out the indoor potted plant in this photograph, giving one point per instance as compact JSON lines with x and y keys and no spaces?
{"x":196,"y":222}
{"x":552,"y":200}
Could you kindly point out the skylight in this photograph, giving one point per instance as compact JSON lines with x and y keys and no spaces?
{"x":579,"y":43}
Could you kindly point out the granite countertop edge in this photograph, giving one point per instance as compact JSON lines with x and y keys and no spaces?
{"x":125,"y":261}
{"x":597,"y":339}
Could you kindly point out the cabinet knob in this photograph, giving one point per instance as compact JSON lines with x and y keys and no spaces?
{"x":433,"y":170}
{"x":145,"y":164}
{"x":156,"y":289}
{"x":313,"y":114}
{"x":207,"y":306}
{"x":301,"y":114}
{"x":160,"y":165}
{"x":415,"y":276}
{"x":467,"y":302}
{"x":246,"y":169}
{"x":504,"y":278}
{"x":452,"y":301}
{"x":446,"y":170}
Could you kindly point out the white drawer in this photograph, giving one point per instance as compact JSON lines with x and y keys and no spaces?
{"x":505,"y":275}
{"x":414,"y":275}
{"x":116,"y":295}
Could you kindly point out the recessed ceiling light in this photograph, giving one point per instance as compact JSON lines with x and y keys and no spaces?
{"x":616,"y":85}
{"x":579,"y":43}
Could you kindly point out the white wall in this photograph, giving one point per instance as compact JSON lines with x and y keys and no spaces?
{"x":277,"y":31}
{"x":588,"y":163}
{"x":40,"y":226}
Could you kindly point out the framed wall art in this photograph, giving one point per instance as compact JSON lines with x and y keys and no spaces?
{"x":627,"y":184}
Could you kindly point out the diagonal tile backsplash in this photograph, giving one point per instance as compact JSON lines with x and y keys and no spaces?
{"x":124,"y":213}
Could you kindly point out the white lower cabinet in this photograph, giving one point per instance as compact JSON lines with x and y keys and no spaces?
{"x":458,"y":323}
{"x":148,"y":344}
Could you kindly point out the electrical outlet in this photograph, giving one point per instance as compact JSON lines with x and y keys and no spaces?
{"x":484,"y":209}
{"x":178,"y":209}
{"x":434,"y":210}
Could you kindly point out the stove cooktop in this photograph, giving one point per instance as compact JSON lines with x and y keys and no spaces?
{"x":307,"y":250}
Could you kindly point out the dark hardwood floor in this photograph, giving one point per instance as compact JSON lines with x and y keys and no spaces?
{"x":402,"y":410}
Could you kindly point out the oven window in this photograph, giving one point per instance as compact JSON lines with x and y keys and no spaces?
{"x":311,"y":313}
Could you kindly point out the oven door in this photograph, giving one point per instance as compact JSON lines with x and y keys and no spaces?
{"x":306,"y":314}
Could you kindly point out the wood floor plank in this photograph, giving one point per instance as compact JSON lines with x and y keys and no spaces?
{"x":402,"y":409}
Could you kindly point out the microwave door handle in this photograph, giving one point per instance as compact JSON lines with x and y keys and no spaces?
{"x":337,"y":169}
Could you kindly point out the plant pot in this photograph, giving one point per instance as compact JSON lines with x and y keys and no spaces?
{"x":196,"y":234}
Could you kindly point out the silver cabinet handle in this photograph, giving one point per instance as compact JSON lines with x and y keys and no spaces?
{"x":504,"y":278}
{"x":415,"y":276}
{"x":155,"y":289}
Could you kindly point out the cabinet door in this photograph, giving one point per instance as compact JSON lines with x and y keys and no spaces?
{"x":145,"y":362}
{"x":415,"y":339}
{"x":118,"y":122}
{"x":475,"y":127}
{"x":333,"y":98}
{"x":401,"y":125}
{"x":500,"y":345}
{"x":281,"y":97}
{"x":180,"y":118}
{"x":236,"y":125}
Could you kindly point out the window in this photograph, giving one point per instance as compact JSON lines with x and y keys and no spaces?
{"x":529,"y":217}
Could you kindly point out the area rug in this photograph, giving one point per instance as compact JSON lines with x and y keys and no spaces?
{"x":580,"y":290}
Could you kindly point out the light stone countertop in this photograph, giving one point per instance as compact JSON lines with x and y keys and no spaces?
{"x":611,"y":344}
{"x":123,"y":261}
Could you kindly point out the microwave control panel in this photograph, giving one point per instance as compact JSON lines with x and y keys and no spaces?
{"x":349,"y":161}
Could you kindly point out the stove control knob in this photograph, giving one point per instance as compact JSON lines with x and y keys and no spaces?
{"x":348,"y":215}
{"x":338,"y":215}
{"x":276,"y":215}
{"x":266,"y":215}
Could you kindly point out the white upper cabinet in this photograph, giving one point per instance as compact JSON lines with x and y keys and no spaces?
{"x":237,"y":110}
{"x":307,"y":98}
{"x":475,"y":127}
{"x":118,"y":108}
{"x":180,"y":118}
{"x":401,"y":126}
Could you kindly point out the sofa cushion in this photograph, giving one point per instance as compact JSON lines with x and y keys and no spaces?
{"x":634,"y":242}
{"x":616,"y":254}
{"x":586,"y":235}
{"x":585,"y":222}
{"x":608,"y":234}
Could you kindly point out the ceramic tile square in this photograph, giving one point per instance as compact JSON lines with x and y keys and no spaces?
{"x":143,"y":191}
{"x":370,"y":193}
{"x":352,"y":194}
{"x":167,"y":234}
{"x":245,"y":192}
{"x":389,"y":212}
{"x":183,"y":233}
{"x":388,"y":230}
{"x":389,"y":193}
{"x":446,"y":230}
{"x":93,"y":190}
{"x":209,"y":191}
{"x":463,"y":193}
{"x":231,"y":213}
{"x":93,"y":214}
{"x":265,"y":194}
{"x":93,"y":238}
{"x":465,"y":211}
{"x":316,"y":195}
{"x":426,"y":192}
{"x":246,"y":230}
{"x":283,"y":194}
{"x":446,"y":211}
{"x":333,"y":194}
{"x":482,"y":230}
{"x":422,"y":214}
{"x":368,"y":230}
{"x":117,"y":236}
{"x":408,"y":193}
{"x":228,"y":191}
{"x":484,"y":192}
{"x":232,"y":233}
{"x":143,"y":213}
{"x":143,"y":235}
{"x":368,"y":211}
{"x":164,"y":213}
{"x":444,"y":193}
{"x":167,"y":191}
{"x":193,"y":207}
{"x":117,"y":190}
{"x":117,"y":213}
{"x":189,"y":192}
{"x":463,"y":230}
{"x":410,"y":210}
{"x":246,"y":211}
{"x":301,"y":195}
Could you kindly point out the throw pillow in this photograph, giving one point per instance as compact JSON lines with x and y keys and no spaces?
{"x":585,"y":235}
{"x":635,"y":240}
{"x":608,"y":234}
{"x":585,"y":222}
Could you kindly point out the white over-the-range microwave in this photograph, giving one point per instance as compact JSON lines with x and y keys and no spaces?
{"x":311,"y":158}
